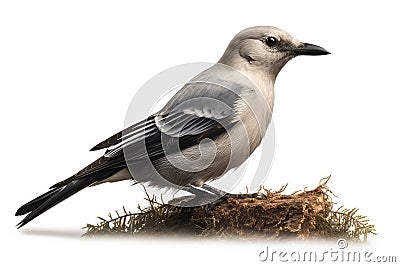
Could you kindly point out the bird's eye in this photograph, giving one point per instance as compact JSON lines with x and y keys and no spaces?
{"x":271,"y":41}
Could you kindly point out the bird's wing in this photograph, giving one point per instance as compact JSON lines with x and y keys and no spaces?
{"x":149,"y":141}
{"x":199,"y":110}
{"x":203,"y":108}
{"x":187,"y":127}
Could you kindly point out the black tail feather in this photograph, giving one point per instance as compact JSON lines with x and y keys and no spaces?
{"x":51,"y":198}
{"x":54,"y":198}
{"x":35,"y":203}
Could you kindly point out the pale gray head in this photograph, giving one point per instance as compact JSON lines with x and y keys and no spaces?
{"x":267,"y":49}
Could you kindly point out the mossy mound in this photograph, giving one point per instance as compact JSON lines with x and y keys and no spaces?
{"x":267,"y":214}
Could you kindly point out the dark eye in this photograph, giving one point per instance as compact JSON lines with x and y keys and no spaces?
{"x":271,"y":41}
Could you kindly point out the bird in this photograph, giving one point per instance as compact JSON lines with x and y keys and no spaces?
{"x":210,"y":126}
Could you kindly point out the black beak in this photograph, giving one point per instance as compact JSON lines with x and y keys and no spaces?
{"x":310,"y":50}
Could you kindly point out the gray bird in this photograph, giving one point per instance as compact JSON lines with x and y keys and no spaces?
{"x":210,"y":126}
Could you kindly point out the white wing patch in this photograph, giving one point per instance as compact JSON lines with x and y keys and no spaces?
{"x":191,"y":121}
{"x":137,"y":134}
{"x":207,"y":112}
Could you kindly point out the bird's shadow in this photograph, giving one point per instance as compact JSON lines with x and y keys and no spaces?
{"x":63,"y":233}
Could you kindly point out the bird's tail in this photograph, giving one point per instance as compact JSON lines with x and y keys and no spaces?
{"x":54,"y":196}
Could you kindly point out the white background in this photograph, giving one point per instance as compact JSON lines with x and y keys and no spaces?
{"x":68,"y":71}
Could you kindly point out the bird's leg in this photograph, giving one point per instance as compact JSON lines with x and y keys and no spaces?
{"x":200,"y":192}
{"x":224,"y":194}
{"x":214,"y":190}
{"x":208,"y":196}
{"x":200,"y":196}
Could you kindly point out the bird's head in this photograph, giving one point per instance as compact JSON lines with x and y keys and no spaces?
{"x":266,"y":48}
